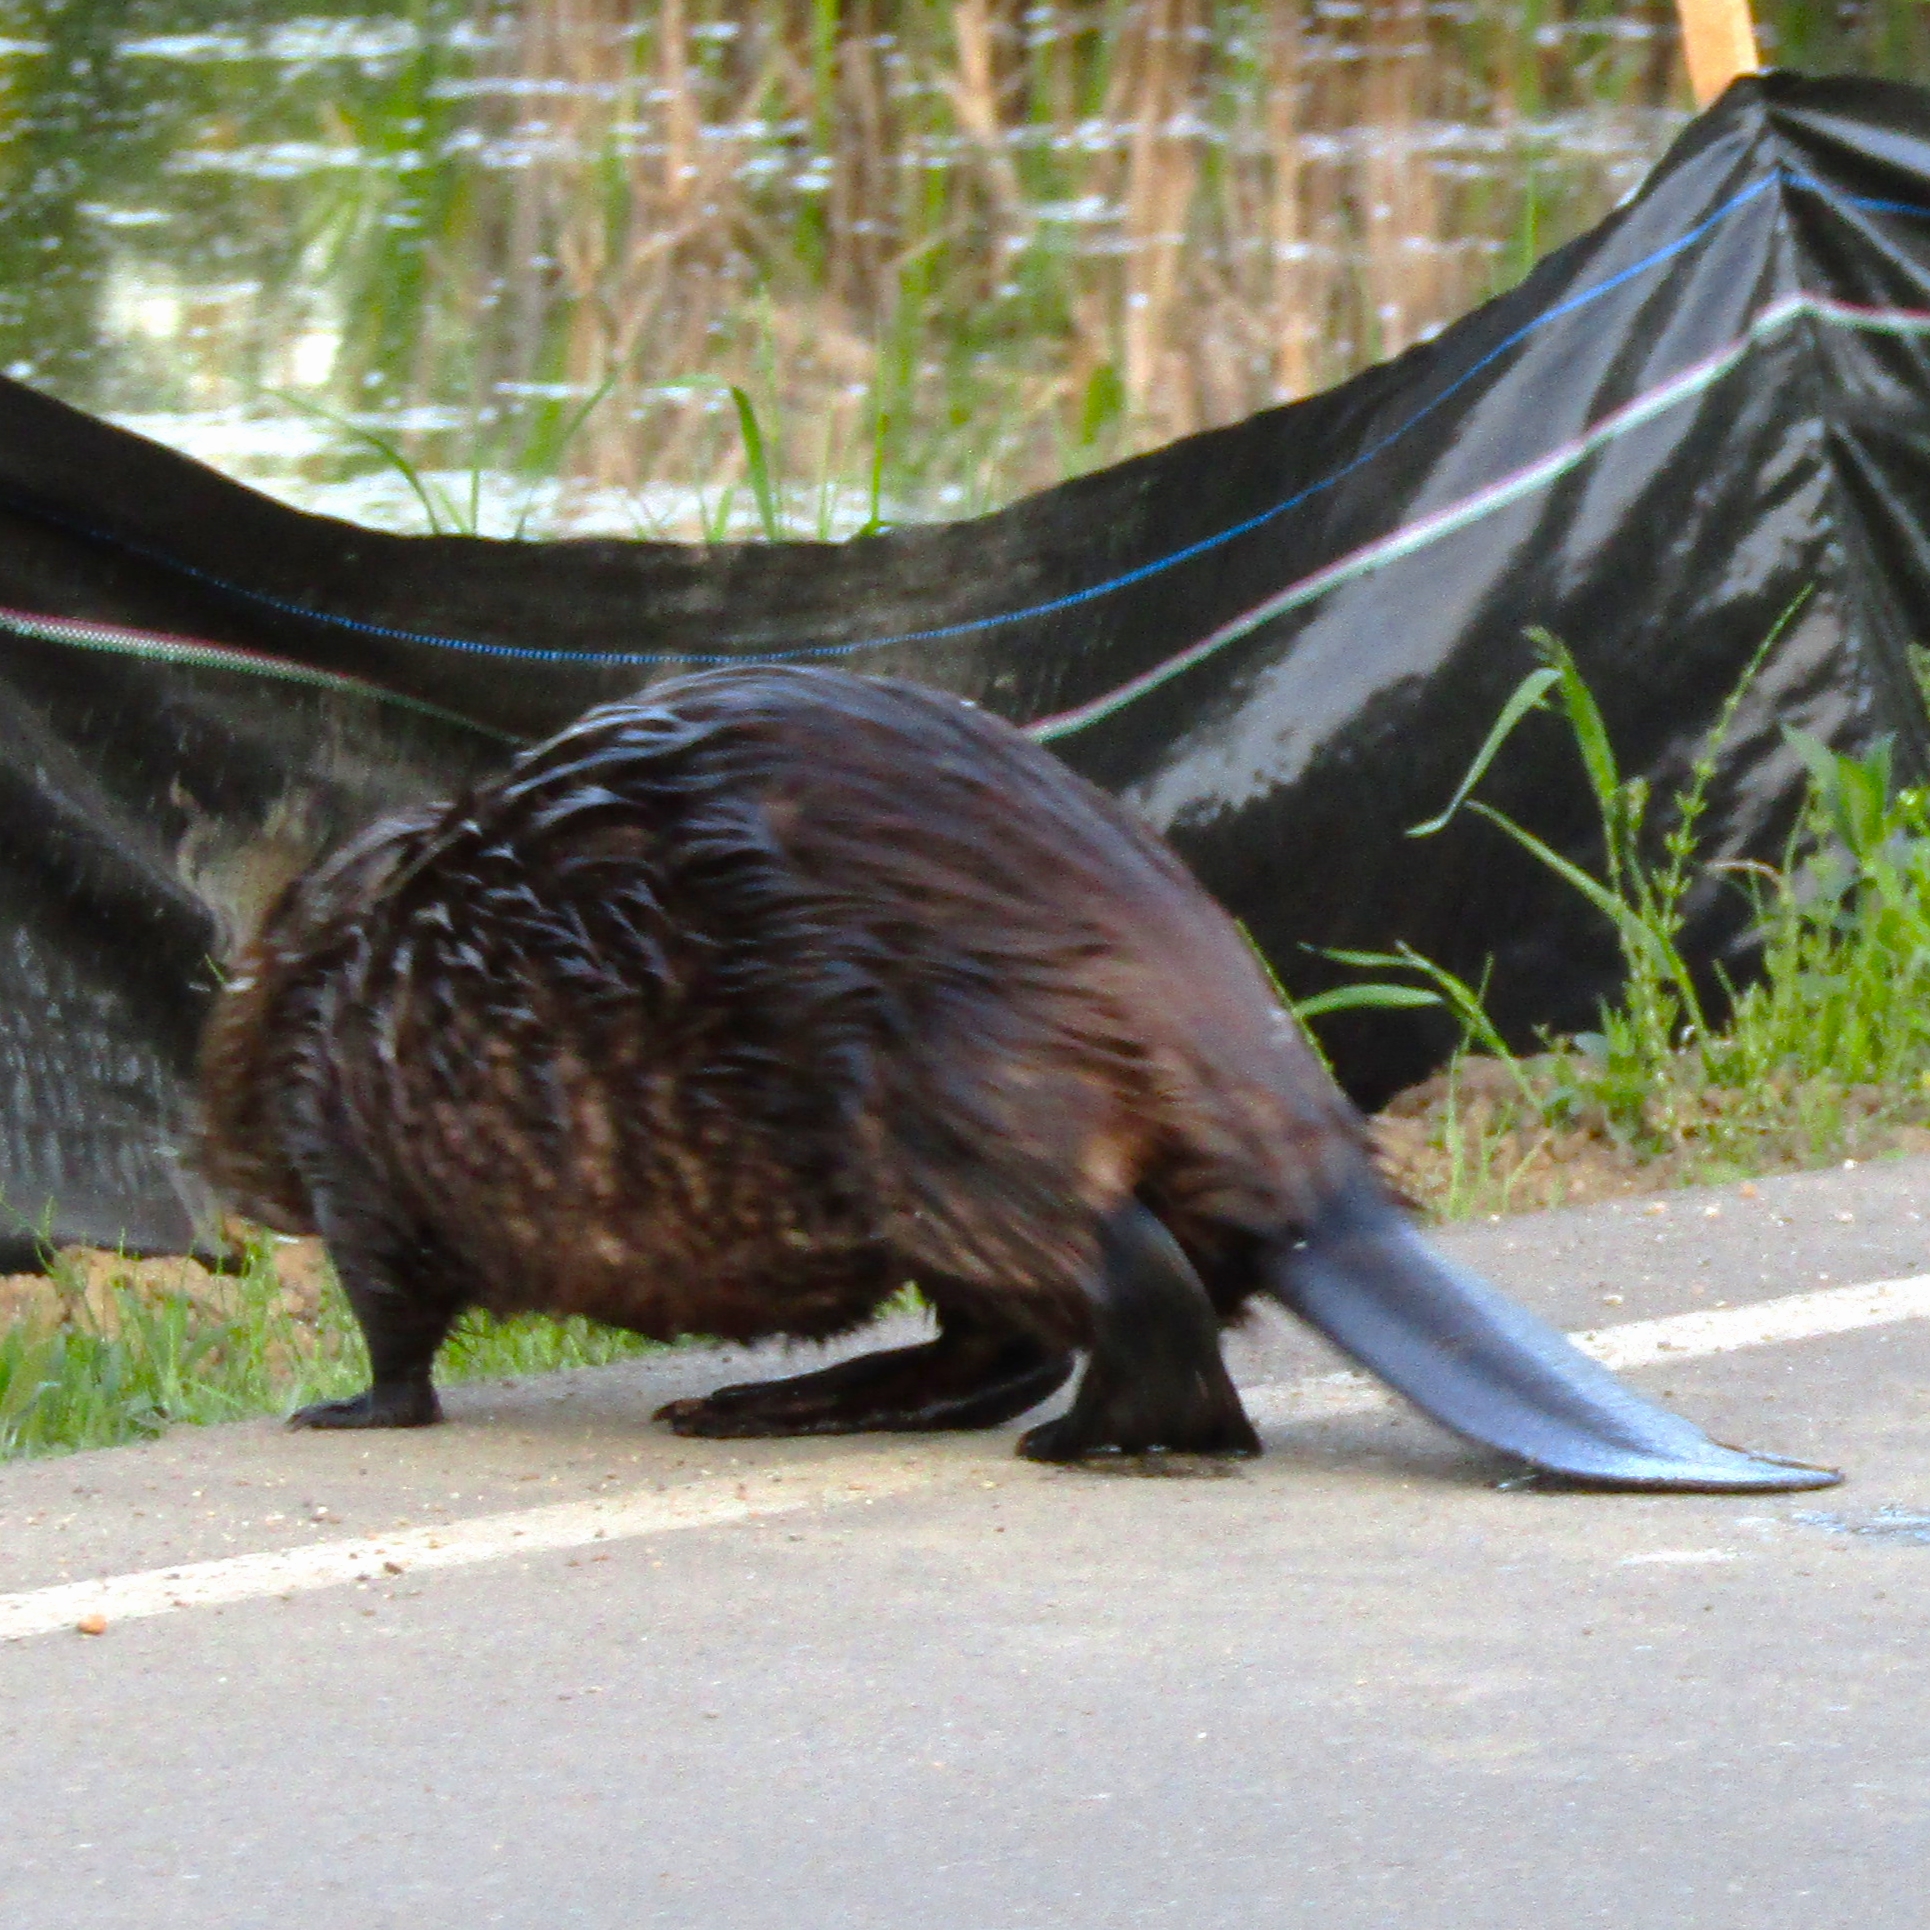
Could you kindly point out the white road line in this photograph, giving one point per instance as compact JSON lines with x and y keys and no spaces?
{"x":1720,"y":1330}
{"x":524,"y":1531}
{"x":1641,"y":1343}
{"x":720,"y":1500}
{"x":1678,"y":1557}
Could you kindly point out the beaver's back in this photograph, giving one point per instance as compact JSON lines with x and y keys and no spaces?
{"x":729,"y":1004}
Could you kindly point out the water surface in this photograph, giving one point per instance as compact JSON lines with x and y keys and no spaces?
{"x":529,"y":249}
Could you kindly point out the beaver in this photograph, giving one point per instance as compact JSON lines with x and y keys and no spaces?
{"x":735,"y":1007}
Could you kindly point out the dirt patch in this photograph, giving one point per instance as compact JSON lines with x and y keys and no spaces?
{"x":1469,"y":1142}
{"x":88,"y":1286}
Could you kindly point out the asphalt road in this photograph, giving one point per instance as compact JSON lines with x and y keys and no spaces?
{"x":923,"y":1686}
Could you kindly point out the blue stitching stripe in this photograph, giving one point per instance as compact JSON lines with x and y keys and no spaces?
{"x":1075,"y":598}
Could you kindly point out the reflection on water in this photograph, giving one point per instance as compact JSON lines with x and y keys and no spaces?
{"x":945,"y":252}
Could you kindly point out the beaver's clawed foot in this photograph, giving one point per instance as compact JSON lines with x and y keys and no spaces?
{"x":1069,"y":1438}
{"x":965,"y":1378}
{"x":400,"y":1404}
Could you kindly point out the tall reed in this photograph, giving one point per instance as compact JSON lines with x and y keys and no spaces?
{"x":1012,"y":239}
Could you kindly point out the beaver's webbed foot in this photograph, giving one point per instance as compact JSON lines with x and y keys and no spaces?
{"x":970,"y":1376}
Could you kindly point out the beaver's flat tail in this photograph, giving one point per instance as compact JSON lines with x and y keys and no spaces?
{"x":1490,"y":1370}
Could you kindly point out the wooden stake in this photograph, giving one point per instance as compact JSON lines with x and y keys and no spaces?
{"x":1719,"y":41}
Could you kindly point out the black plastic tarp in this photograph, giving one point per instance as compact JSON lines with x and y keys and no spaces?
{"x":1282,"y":641}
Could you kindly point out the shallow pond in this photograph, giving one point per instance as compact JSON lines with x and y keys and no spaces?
{"x":701,"y":266}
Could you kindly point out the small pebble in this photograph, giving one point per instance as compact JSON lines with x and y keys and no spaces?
{"x":92,"y":1624}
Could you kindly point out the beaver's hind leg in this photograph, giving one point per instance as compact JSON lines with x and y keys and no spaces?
{"x":972,"y":1375}
{"x":1156,"y":1378}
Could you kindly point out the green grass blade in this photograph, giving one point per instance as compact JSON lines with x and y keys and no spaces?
{"x":1341,"y":956}
{"x":1529,"y":694}
{"x":1586,"y":721}
{"x":757,"y":460}
{"x":1468,"y":1004}
{"x":1369,"y":997}
{"x":1287,"y":1005}
{"x":1635,"y":934}
{"x":571,"y":430}
{"x":874,"y":511}
{"x":382,"y":447}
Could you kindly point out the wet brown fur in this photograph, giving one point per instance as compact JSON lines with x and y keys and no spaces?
{"x":734,"y":1007}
